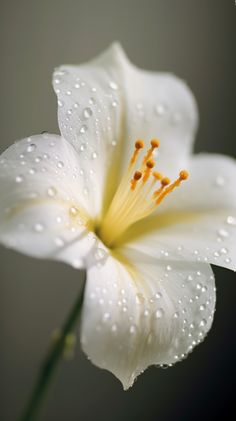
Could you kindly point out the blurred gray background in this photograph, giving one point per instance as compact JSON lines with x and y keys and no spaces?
{"x":197,"y":41}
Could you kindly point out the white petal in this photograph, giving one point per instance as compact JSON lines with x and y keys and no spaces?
{"x":89,"y":115}
{"x":154,"y":313}
{"x":43,"y":210}
{"x":198,"y":221}
{"x":211,"y":185}
{"x":160,"y":105}
{"x":106,"y":104}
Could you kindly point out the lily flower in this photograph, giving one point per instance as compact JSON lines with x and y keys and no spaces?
{"x":112,"y":195}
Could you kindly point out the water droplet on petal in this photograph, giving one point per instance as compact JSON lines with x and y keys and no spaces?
{"x":223,"y":233}
{"x":99,"y":254}
{"x":87,"y":113}
{"x":113,"y":85}
{"x":38,"y":227}
{"x":19,"y":178}
{"x":114,"y":328}
{"x":31,"y":147}
{"x":160,"y":109}
{"x":83,"y":129}
{"x":231,"y":220}
{"x":106,"y":317}
{"x":220,"y":181}
{"x":94,"y":155}
{"x":60,"y":103}
{"x":51,"y":191}
{"x":60,"y":164}
{"x":132,"y":329}
{"x":159,"y":313}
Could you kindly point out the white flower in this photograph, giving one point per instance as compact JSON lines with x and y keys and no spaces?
{"x":150,"y":293}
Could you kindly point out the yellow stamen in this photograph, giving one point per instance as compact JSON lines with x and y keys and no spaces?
{"x":149,"y":166}
{"x":139,"y":144}
{"x":136,"y":200}
{"x":154,"y":144}
{"x":164,"y":182}
{"x":137,"y":175}
{"x":183,"y":175}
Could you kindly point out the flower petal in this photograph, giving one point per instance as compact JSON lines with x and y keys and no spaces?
{"x":106,"y":104}
{"x":89,"y":115}
{"x":151,"y":312}
{"x":160,"y":105}
{"x":44,"y":211}
{"x":198,"y":221}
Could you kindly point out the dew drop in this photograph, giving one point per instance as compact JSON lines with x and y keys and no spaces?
{"x":99,"y":254}
{"x":113,"y":85}
{"x":159,"y":313}
{"x":132,"y":329}
{"x":106,"y":317}
{"x":87,"y":113}
{"x":31,"y":147}
{"x":94,"y":155}
{"x":38,"y":227}
{"x":223,"y":233}
{"x":224,"y":250}
{"x":60,"y":164}
{"x":60,"y":103}
{"x":82,"y":147}
{"x":160,"y":109}
{"x":114,"y":328}
{"x":220,"y":181}
{"x":114,"y":104}
{"x":202,"y":323}
{"x":231,"y":220}
{"x":73,"y":211}
{"x":83,"y":129}
{"x":19,"y":178}
{"x":51,"y":191}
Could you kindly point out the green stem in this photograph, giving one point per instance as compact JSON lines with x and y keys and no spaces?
{"x":51,"y":361}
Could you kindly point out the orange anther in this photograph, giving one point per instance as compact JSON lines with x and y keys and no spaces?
{"x":137,"y":175}
{"x":183,"y":175}
{"x":150,"y":163}
{"x":165,"y":181}
{"x":139,"y":144}
{"x":155,"y":143}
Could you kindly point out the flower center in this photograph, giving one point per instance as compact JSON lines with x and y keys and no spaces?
{"x":139,"y":193}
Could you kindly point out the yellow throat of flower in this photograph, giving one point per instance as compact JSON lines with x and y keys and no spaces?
{"x":139,"y":193}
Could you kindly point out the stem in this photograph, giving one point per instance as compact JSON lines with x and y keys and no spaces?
{"x":51,"y":361}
